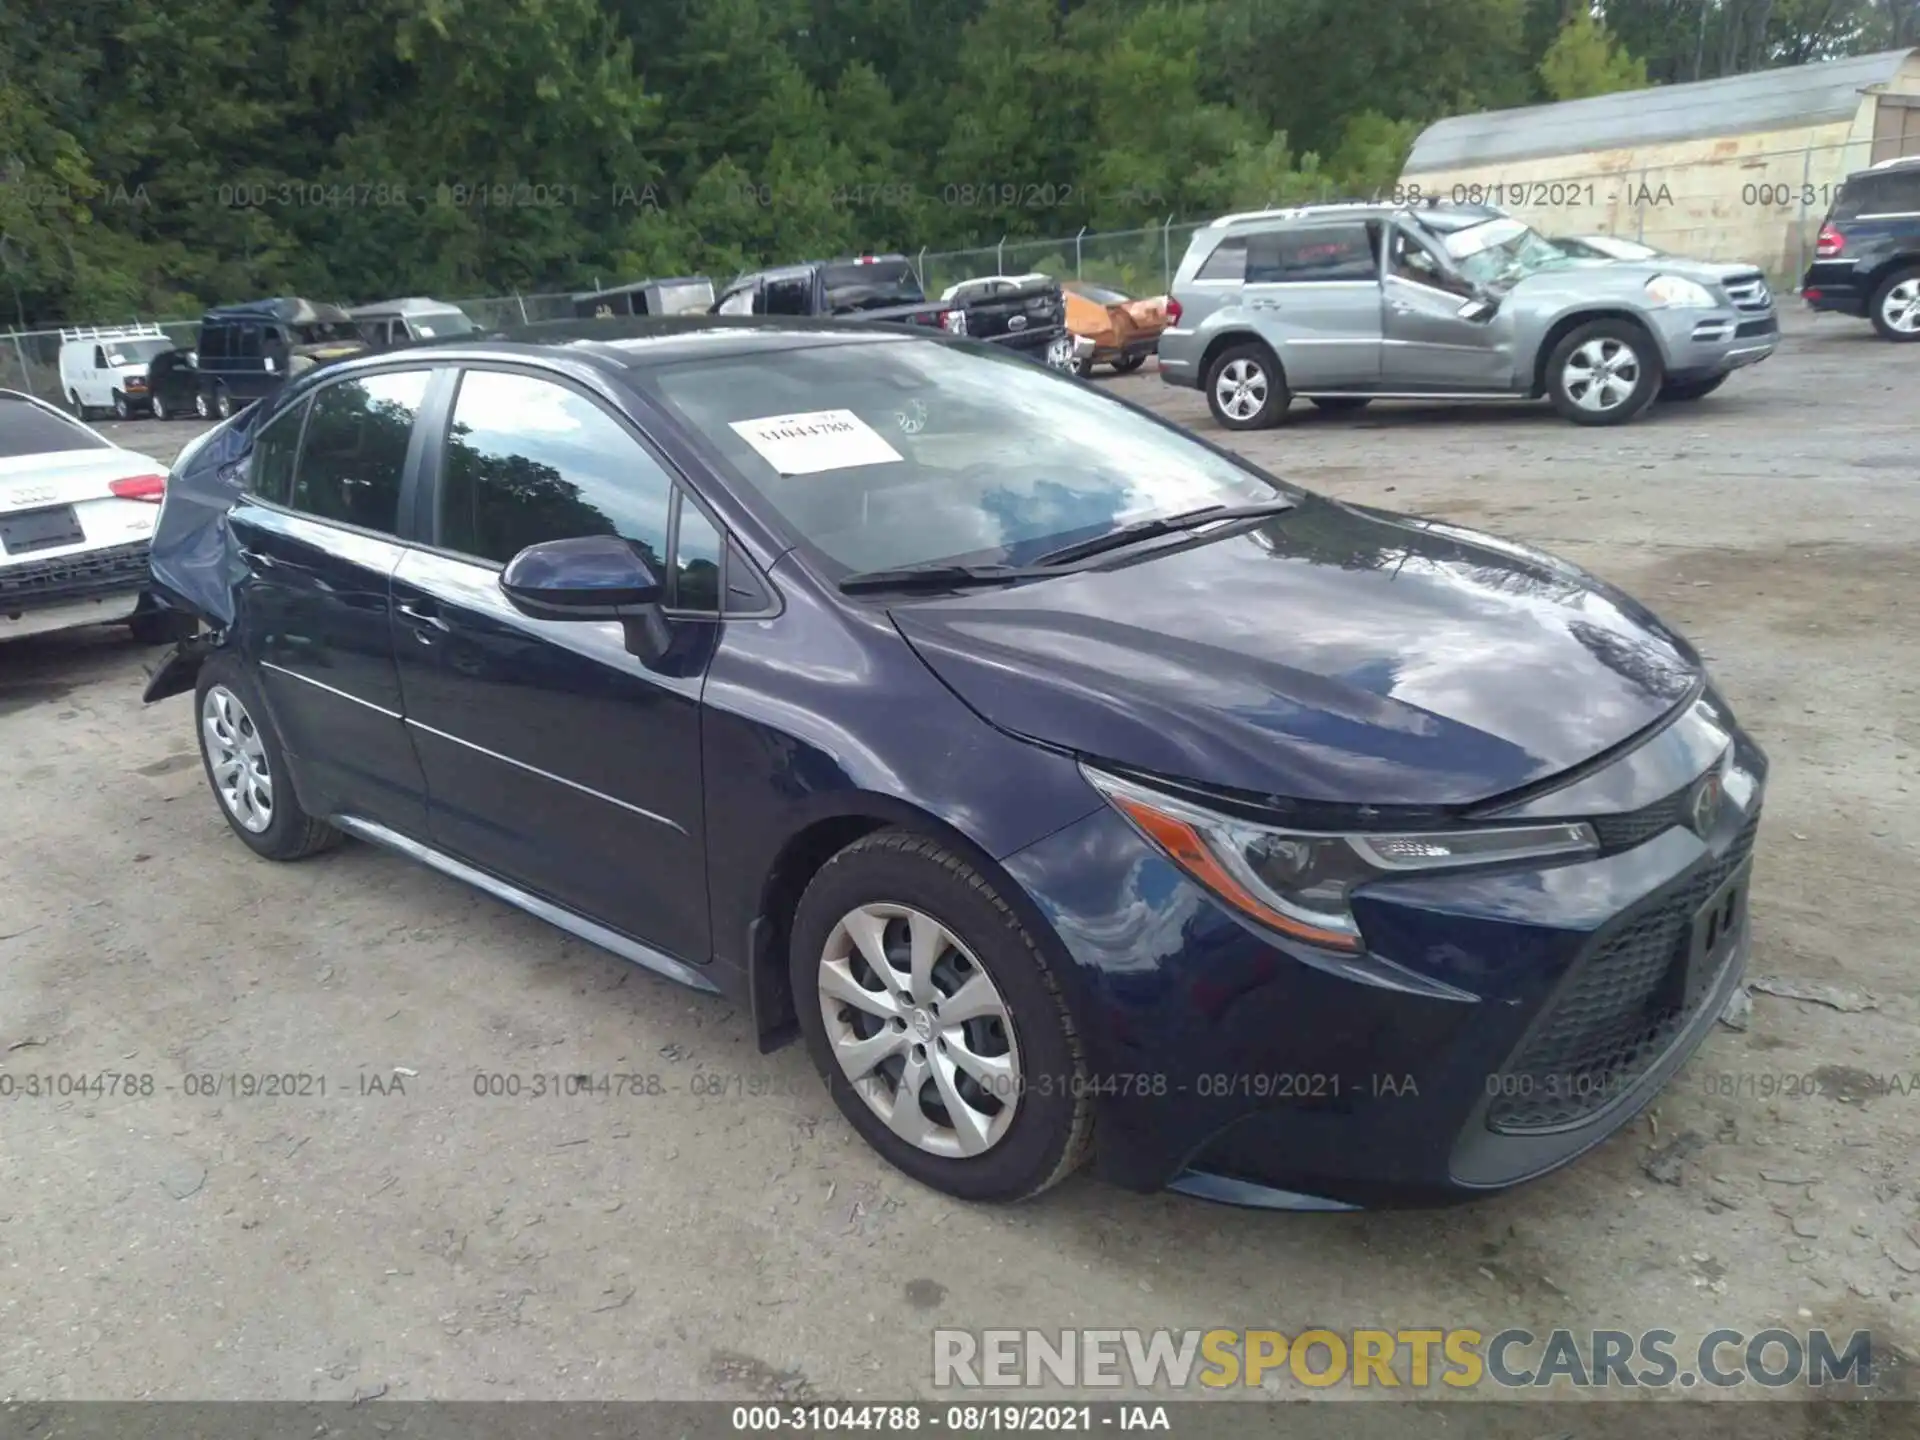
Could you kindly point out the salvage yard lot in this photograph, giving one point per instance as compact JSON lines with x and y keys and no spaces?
{"x":719,"y":1231}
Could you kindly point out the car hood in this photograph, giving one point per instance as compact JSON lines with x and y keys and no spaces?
{"x":1333,"y":654}
{"x":1614,"y":273}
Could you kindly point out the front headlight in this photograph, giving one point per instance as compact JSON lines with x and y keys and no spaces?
{"x":1298,"y":882}
{"x":1679,"y":293}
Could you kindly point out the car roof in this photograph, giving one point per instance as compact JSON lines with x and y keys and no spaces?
{"x":287,"y":309}
{"x":643,"y":342}
{"x":646,"y":284}
{"x":412,"y":305}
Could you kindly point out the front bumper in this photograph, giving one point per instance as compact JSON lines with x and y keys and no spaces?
{"x":1700,"y":344}
{"x":1503,"y":1023}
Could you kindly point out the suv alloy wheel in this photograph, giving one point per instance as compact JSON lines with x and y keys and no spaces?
{"x":1245,"y":388}
{"x":1604,"y":373}
{"x":1896,"y":305}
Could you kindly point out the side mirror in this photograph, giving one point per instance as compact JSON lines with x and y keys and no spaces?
{"x":594,"y":577}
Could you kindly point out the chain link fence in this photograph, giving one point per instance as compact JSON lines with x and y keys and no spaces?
{"x":1760,"y":206}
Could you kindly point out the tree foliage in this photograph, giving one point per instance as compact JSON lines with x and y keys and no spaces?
{"x":154,"y":158}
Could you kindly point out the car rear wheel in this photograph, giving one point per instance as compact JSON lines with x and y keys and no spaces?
{"x":1691,"y":389}
{"x":1896,"y":306}
{"x":1341,"y":404}
{"x":1246,"y":390}
{"x":247,"y":767}
{"x":160,"y":411}
{"x":223,"y":402}
{"x":1127,"y":364}
{"x":80,"y":412}
{"x":936,"y":1022}
{"x":1604,"y":373}
{"x":203,"y":404}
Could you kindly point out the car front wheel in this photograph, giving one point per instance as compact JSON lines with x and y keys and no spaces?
{"x":203,"y":404}
{"x":121,"y":409}
{"x":937,"y":1023}
{"x":1604,"y":373}
{"x":223,"y":403}
{"x":247,"y":767}
{"x":1245,"y":389}
{"x":160,"y":411}
{"x":1896,"y":306}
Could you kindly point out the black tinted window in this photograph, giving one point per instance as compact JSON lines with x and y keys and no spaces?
{"x":1331,"y":252}
{"x":696,"y":561}
{"x":873,"y":286}
{"x":788,"y":297}
{"x":247,"y":342}
{"x":26,"y":429}
{"x":270,"y":469}
{"x":1891,"y":193}
{"x":528,"y":460}
{"x":355,"y":449}
{"x":1227,"y":262}
{"x":213,"y":342}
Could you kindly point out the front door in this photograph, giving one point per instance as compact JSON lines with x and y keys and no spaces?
{"x":1314,"y":293}
{"x":1429,"y":345}
{"x":316,"y":532}
{"x":555,"y":758}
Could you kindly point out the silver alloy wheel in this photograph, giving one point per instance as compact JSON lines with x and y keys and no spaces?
{"x":920,"y":1030}
{"x":1601,"y":374}
{"x":200,"y":405}
{"x":237,"y":759}
{"x":1241,"y":389}
{"x":223,"y":404}
{"x":160,"y":408}
{"x":1060,"y":352}
{"x":1901,"y":308}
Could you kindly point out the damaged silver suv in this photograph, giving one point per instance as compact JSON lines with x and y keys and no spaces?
{"x":1345,"y":304}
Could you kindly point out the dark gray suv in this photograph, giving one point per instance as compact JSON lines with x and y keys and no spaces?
{"x":1343,"y":304}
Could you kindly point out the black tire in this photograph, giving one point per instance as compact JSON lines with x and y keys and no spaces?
{"x":223,"y":405}
{"x":1082,"y":367}
{"x":80,"y":412}
{"x":1051,"y":1131}
{"x":1127,"y":364}
{"x":1622,"y":336}
{"x":1884,"y":293}
{"x":121,"y":409}
{"x":1683,"y":390}
{"x":159,"y":408}
{"x":1341,"y":404}
{"x":1264,"y":383}
{"x":203,"y":404}
{"x":291,"y":834}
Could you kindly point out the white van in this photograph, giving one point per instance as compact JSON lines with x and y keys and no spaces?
{"x":104,"y":367}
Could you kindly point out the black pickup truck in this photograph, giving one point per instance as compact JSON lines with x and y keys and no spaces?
{"x":1030,"y":319}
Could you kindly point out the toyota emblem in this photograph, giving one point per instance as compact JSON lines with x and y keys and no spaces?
{"x":1705,"y":806}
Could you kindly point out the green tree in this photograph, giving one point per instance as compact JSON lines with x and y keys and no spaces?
{"x":1585,"y":59}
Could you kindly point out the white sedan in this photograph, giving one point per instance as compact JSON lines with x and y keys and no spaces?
{"x":76,"y":517}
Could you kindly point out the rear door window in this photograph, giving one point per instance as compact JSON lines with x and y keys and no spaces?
{"x":270,"y":466}
{"x":353,"y":455}
{"x":1318,"y":253}
{"x":1890,"y":193}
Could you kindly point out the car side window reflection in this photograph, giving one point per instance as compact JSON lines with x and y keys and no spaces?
{"x":354,"y":451}
{"x":528,"y":460}
{"x":270,"y":470}
{"x":696,"y":561}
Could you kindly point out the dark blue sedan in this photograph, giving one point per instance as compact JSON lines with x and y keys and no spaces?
{"x":1071,"y":786}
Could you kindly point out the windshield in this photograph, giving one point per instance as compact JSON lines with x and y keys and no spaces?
{"x":327,"y":332}
{"x":29,"y":429}
{"x":440,"y":324}
{"x":685,"y":299}
{"x":884,"y":454}
{"x":1501,"y":250}
{"x":136,"y":352}
{"x":853,"y":287}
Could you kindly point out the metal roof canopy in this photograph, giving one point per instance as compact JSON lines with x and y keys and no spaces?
{"x":1820,"y":93}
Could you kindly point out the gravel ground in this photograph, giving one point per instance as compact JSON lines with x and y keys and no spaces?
{"x":401,"y":1235}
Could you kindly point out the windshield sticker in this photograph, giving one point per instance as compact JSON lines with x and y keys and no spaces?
{"x":815,"y":440}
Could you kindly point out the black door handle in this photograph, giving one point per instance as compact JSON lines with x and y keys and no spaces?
{"x":423,"y":613}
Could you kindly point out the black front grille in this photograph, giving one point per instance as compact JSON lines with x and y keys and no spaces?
{"x":1748,"y":329}
{"x":72,"y":577}
{"x":1615,"y":1016}
{"x":1624,"y":831}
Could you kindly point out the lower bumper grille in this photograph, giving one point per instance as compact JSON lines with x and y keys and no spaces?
{"x":1749,"y":329}
{"x":37,"y":583}
{"x":1615,"y":1017}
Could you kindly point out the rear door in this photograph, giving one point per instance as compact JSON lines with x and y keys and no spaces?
{"x":554,"y":758}
{"x":1314,"y":293}
{"x":1430,"y":346}
{"x":326,"y":483}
